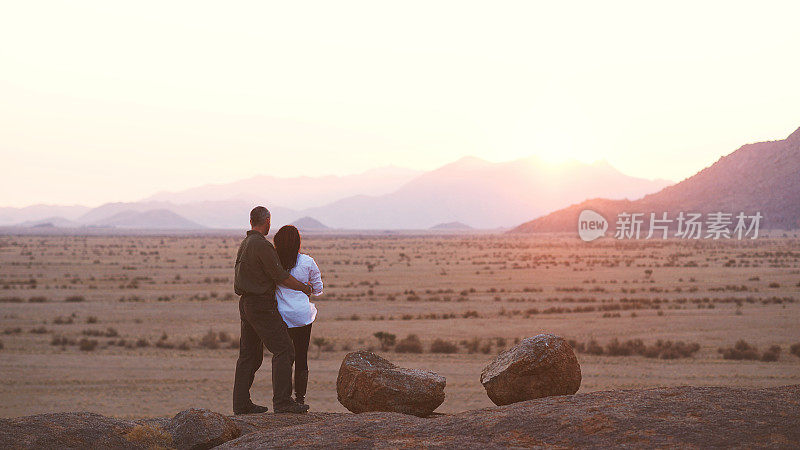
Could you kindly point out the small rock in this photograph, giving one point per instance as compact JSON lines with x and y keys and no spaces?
{"x":201,"y":429}
{"x":539,"y":366}
{"x":367,"y":382}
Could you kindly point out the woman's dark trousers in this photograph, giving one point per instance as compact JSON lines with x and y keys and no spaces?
{"x":300,"y":338}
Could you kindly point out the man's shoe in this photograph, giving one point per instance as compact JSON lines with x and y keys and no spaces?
{"x":292,"y":408}
{"x":253,"y":409}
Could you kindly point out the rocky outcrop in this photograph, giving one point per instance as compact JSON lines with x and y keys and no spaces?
{"x":675,"y":417}
{"x":195,"y":429}
{"x":672,"y":417}
{"x":367,"y":382}
{"x":66,"y":430}
{"x":539,"y":366}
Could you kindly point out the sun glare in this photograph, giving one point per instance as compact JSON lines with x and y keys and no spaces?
{"x":556,"y":133}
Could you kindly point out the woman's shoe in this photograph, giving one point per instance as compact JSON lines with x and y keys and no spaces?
{"x":300,"y":386}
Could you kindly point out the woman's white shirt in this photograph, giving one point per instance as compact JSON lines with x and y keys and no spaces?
{"x":294,"y":306}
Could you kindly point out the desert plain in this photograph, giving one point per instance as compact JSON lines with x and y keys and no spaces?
{"x":145,"y":325}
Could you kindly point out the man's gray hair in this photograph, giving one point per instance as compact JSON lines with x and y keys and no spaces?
{"x":259,"y":216}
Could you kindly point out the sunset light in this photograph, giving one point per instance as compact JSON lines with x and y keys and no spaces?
{"x":421,"y":224}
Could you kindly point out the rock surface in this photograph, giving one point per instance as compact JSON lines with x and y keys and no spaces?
{"x":65,"y":430}
{"x":367,"y":382}
{"x":539,"y":366}
{"x":673,"y":417}
{"x":201,"y":429}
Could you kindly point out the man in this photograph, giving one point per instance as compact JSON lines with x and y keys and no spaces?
{"x":258,"y":271}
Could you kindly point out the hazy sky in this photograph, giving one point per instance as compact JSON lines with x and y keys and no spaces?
{"x":111,"y":100}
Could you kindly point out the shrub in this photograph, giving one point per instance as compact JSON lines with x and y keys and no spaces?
{"x":209,"y":340}
{"x":593,"y":348}
{"x":577,"y":346}
{"x":91,"y":319}
{"x":62,"y":341}
{"x":795,"y":349}
{"x":1,"y":345}
{"x":319,"y":342}
{"x":741,"y":351}
{"x":87,"y":345}
{"x":39,"y":330}
{"x":74,"y":299}
{"x":614,"y":348}
{"x":62,"y":321}
{"x":471,"y":345}
{"x":163,"y":342}
{"x":16,"y":330}
{"x":142,"y":342}
{"x":37,"y":299}
{"x":409,"y":344}
{"x":661,"y":349}
{"x":442,"y":346}
{"x":387,"y":340}
{"x":771,"y":354}
{"x":109,"y":332}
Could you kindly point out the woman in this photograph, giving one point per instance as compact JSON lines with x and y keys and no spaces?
{"x":295,"y":308}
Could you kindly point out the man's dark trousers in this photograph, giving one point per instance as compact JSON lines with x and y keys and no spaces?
{"x":262,"y":325}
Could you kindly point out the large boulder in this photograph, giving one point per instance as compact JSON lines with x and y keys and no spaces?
{"x":539,"y":366}
{"x":368,"y":382}
{"x":200,"y":429}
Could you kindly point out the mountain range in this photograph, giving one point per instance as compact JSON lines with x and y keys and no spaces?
{"x":763,"y":177}
{"x":472,"y":191}
{"x":297,"y":193}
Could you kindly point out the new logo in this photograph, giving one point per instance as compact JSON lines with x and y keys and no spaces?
{"x":591,"y":225}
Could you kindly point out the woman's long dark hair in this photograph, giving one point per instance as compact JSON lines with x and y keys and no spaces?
{"x":287,"y":243}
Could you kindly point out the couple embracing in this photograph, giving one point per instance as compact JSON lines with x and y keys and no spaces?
{"x":275,"y":283}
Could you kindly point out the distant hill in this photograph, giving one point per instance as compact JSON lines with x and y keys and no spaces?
{"x":309,"y":224}
{"x":294,"y":192}
{"x":762,"y":177}
{"x":59,"y":222}
{"x":452,"y":226}
{"x":153,"y":219}
{"x":34,"y":213}
{"x":483,"y":194}
{"x":212,"y":214}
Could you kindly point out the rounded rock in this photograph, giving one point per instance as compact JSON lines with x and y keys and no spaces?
{"x":539,"y":366}
{"x":367,"y":382}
